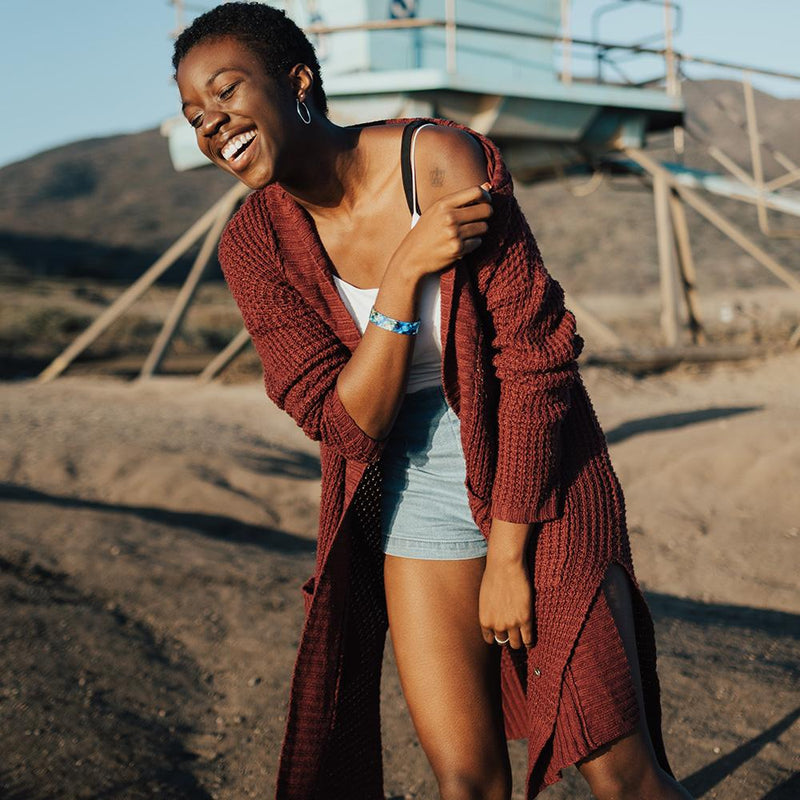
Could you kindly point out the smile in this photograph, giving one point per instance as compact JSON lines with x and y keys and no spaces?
{"x":235,"y":148}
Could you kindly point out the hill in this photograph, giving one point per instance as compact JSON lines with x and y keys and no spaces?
{"x":106,"y":208}
{"x":101,"y":208}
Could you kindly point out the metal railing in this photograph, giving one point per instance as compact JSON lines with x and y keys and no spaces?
{"x":602,"y":50}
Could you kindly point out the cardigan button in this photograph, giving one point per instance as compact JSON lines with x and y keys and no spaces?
{"x":537,"y":672}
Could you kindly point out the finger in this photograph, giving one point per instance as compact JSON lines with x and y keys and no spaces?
{"x":526,"y":631}
{"x":500,"y":637}
{"x":488,"y":635}
{"x":485,"y":197}
{"x":515,"y":640}
{"x":471,"y":213}
{"x":470,"y":246}
{"x":473,"y":230}
{"x":452,"y":219}
{"x":463,"y":197}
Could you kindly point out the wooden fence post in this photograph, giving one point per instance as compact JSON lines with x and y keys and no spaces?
{"x":189,"y":288}
{"x":134,"y":291}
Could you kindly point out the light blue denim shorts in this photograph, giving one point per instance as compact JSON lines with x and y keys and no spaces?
{"x":425,"y":513}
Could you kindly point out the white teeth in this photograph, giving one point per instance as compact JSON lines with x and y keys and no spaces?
{"x":234,"y":144}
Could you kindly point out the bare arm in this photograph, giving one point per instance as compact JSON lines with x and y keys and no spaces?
{"x":535,"y":347}
{"x":451,"y":167}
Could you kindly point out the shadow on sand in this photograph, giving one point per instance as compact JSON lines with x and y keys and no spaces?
{"x":709,"y":776}
{"x":281,"y":461}
{"x":664,"y":422}
{"x":212,"y":525}
{"x":724,"y":615}
{"x":788,"y":790}
{"x":96,"y":702}
{"x":750,"y":645}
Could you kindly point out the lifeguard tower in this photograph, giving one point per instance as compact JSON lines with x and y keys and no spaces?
{"x":489,"y":65}
{"x":503,"y":68}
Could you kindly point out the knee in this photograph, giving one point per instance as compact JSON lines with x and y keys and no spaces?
{"x":461,"y":785}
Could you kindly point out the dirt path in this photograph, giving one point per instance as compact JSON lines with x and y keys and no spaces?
{"x":154,"y":538}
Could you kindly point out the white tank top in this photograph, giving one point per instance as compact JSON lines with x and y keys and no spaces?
{"x":426,"y":362}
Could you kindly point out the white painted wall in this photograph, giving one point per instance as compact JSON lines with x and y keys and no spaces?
{"x":505,"y":59}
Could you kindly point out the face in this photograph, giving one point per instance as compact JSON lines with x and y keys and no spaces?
{"x":242,"y":117}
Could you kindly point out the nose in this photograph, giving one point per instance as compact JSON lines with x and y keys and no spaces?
{"x":212,"y":121}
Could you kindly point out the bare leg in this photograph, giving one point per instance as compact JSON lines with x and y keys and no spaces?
{"x":627,"y":769}
{"x":450,"y":676}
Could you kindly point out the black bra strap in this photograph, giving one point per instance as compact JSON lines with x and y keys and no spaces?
{"x":405,"y":161}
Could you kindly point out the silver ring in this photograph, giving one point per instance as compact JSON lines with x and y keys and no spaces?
{"x":502,"y":641}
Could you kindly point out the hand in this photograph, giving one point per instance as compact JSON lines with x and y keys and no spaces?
{"x":449,"y":229}
{"x":505,"y":605}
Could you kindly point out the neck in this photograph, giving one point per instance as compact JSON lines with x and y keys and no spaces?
{"x":325,"y":168}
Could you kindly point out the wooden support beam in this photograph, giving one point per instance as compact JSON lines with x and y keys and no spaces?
{"x":755,"y":151}
{"x":718,"y":220}
{"x":757,"y":181}
{"x":219,"y":362}
{"x":649,"y":359}
{"x":737,"y":171}
{"x":188,"y":290}
{"x":737,"y":235}
{"x":686,"y":266}
{"x":790,"y":177}
{"x":135,"y":290}
{"x":598,"y":331}
{"x":666,"y":262}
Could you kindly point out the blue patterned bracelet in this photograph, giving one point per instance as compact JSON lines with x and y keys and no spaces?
{"x":393,"y":325}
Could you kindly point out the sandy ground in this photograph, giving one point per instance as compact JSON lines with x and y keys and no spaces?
{"x":155,"y":535}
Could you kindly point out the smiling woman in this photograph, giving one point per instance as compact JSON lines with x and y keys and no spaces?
{"x":240,"y":110}
{"x":405,"y":320}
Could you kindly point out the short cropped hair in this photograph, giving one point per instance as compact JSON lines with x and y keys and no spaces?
{"x":268,"y":32}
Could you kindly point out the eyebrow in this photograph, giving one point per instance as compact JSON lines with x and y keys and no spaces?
{"x":214,"y":75}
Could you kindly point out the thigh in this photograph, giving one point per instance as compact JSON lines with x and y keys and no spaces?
{"x":450,"y":676}
{"x":630,"y":760}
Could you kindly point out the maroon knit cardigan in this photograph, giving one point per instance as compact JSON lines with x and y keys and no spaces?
{"x":534,"y":454}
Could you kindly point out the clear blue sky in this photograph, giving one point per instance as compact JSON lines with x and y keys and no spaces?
{"x":81,"y":68}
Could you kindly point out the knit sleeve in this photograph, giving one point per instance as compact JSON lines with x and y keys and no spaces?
{"x":534,"y":350}
{"x":300,"y":354}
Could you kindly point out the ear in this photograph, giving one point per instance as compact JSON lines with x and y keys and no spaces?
{"x":301,"y":79}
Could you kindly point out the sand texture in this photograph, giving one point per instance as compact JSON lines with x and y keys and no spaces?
{"x":155,"y":535}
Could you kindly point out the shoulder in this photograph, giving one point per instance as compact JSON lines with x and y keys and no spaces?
{"x":247,"y":247}
{"x":447,"y":159}
{"x":249,"y":226}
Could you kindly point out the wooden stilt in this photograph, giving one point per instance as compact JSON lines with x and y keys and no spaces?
{"x":188,"y":290}
{"x":666,"y":262}
{"x":598,"y":331}
{"x":686,"y":266}
{"x":722,"y":223}
{"x":135,"y":290}
{"x":737,"y":235}
{"x":647,"y":359}
{"x":219,"y":362}
{"x":718,"y":220}
{"x":755,"y":150}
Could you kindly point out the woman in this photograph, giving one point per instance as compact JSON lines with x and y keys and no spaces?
{"x":435,"y":438}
